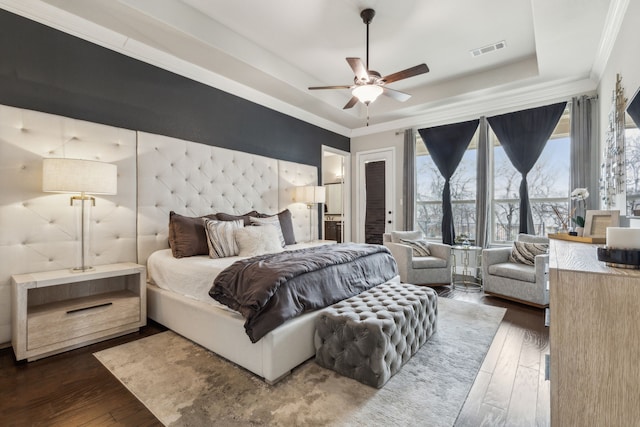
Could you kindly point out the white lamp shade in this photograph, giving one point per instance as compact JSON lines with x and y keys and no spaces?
{"x":367,"y":93}
{"x":79,"y":176}
{"x":310,"y":194}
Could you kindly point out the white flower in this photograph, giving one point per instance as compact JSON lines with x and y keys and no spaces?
{"x":579,"y":194}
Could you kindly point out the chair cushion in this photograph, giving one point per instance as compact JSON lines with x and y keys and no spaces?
{"x":510,"y":270}
{"x":409,"y":235}
{"x":428,"y":262}
{"x":525,"y":253}
{"x":419,"y":247}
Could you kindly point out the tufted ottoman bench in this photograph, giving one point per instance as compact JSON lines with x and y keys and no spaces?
{"x":370,"y":336}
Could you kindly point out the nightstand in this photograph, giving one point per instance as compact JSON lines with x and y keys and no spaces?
{"x":56,"y":311}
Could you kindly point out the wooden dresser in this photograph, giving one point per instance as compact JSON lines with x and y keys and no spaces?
{"x":594,"y":339}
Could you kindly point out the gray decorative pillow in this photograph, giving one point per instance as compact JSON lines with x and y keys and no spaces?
{"x":220,"y":237}
{"x":187,"y":235}
{"x":272,"y":221}
{"x":254,"y":241}
{"x":525,"y":253}
{"x":286,"y":225}
{"x":221,"y":216}
{"x":419,"y":247}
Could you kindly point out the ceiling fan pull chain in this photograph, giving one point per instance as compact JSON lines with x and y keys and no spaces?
{"x":367,"y":105}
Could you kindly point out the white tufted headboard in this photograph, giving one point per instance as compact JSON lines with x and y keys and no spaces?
{"x":195,"y":179}
{"x":38,"y":230}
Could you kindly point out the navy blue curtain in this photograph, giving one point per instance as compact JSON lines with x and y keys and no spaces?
{"x":523,"y":135}
{"x":634,"y":108}
{"x":446,"y":145}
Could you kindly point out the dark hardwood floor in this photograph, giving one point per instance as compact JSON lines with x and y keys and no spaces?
{"x":510,"y":389}
{"x":74,"y":389}
{"x":70,"y":389}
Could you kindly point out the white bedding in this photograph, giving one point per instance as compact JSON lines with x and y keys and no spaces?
{"x":187,"y":309}
{"x":193,"y":276}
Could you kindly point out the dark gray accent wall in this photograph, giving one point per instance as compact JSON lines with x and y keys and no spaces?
{"x":48,"y":70}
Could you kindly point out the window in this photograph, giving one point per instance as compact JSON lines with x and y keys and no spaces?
{"x":632,"y":166}
{"x":429,"y":186}
{"x":548,"y":189}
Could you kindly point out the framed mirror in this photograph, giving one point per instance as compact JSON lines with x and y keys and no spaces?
{"x":334,"y":199}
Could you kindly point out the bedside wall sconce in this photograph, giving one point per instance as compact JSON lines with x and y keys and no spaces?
{"x":84,"y":177}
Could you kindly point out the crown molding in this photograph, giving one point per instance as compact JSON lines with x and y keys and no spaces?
{"x":487,"y":103}
{"x":53,"y":17}
{"x":496,"y":100}
{"x":613,"y":22}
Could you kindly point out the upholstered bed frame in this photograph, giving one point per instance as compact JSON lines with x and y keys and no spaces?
{"x":195,"y":179}
{"x":156,"y":174}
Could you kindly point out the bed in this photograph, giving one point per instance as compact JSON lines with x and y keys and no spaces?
{"x":197,"y":180}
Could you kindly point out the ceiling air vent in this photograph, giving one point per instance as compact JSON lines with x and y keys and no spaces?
{"x":489,"y":48}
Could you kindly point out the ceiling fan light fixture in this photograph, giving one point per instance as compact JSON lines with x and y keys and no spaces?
{"x":367,"y":93}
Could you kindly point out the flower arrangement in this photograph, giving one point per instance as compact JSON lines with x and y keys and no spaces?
{"x":579,"y":195}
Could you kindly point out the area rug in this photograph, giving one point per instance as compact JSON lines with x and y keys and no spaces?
{"x":183,"y":384}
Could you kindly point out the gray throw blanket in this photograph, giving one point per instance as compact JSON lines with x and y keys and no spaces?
{"x":271,"y":289}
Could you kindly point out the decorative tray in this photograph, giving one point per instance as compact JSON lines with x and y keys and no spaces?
{"x":622,"y":258}
{"x":565,"y":236}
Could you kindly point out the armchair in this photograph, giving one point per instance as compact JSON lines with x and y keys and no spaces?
{"x":434,"y":269}
{"x":518,"y":282}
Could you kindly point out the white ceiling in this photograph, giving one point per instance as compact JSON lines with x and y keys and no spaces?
{"x":271,"y":51}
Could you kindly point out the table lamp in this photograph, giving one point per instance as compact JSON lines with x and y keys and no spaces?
{"x":86,"y":177}
{"x":311,"y":195}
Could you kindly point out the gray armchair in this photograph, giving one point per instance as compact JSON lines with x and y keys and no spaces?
{"x":434,"y":269}
{"x":518,"y":282}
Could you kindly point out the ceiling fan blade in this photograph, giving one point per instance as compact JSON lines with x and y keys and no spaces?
{"x":405,"y":74}
{"x":359,"y":69}
{"x":353,"y":101}
{"x":329,"y":87}
{"x":395,"y":94}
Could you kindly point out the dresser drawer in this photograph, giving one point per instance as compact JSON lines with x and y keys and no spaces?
{"x":61,"y":321}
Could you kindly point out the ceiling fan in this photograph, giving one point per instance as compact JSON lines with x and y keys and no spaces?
{"x":369,"y":84}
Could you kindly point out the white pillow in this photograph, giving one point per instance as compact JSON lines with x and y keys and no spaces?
{"x":220,"y":237}
{"x":254,"y":241}
{"x":273,"y":221}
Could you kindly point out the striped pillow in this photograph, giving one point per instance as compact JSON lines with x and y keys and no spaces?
{"x":419,"y":247}
{"x":525,"y":253}
{"x":220,"y":237}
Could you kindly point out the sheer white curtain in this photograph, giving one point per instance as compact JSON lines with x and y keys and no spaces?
{"x":483,"y":185}
{"x":584,"y":147}
{"x":409,"y":179}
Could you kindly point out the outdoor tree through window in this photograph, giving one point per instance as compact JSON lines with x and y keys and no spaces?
{"x":632,"y":166}
{"x":429,"y":187}
{"x":548,"y":189}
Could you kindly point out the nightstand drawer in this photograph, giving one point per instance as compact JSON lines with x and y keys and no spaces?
{"x":58,"y":322}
